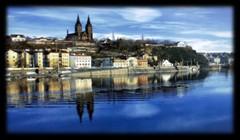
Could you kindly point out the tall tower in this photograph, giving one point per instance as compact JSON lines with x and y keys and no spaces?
{"x":78,"y":27}
{"x":142,"y":37}
{"x":89,"y":29}
{"x":113,"y":37}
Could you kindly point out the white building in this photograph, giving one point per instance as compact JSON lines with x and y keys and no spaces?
{"x":132,"y":62}
{"x":120,"y":63}
{"x":166,"y":63}
{"x":145,"y":56}
{"x":217,"y":60}
{"x":17,"y":38}
{"x":230,"y":61}
{"x":41,"y":40}
{"x":181,"y":44}
{"x":80,"y":61}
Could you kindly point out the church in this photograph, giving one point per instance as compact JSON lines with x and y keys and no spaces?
{"x":79,"y":35}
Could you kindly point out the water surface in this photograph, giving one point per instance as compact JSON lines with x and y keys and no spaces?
{"x":144,"y":103}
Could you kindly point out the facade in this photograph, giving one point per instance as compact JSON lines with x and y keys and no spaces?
{"x":120,"y":63}
{"x":41,"y":40}
{"x":11,"y":58}
{"x":80,"y":61}
{"x":17,"y":38}
{"x":155,"y":58}
{"x":217,"y":60}
{"x":38,"y":59}
{"x":143,"y":63}
{"x":79,"y":35}
{"x":53,"y":59}
{"x":181,"y":44}
{"x":230,"y":61}
{"x":65,"y":59}
{"x":132,"y":62}
{"x":166,"y":63}
{"x":28,"y":59}
{"x":145,"y":56}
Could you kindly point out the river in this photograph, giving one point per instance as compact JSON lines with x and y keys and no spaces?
{"x":126,"y":104}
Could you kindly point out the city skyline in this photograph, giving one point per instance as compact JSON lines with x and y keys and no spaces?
{"x":206,"y":29}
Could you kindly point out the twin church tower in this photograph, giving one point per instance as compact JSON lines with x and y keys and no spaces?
{"x":80,"y":35}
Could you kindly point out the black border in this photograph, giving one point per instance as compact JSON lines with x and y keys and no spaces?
{"x":236,"y":18}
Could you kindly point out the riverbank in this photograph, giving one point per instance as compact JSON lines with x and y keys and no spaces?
{"x":49,"y":72}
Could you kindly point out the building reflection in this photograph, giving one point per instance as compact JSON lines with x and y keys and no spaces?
{"x":143,"y":80}
{"x":82,"y":85}
{"x":85,"y":100}
{"x":68,"y":90}
{"x":13,"y":92}
{"x":120,"y":82}
{"x":54,"y":90}
{"x":41,"y":89}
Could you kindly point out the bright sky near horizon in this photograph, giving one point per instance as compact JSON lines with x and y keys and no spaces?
{"x":206,"y":29}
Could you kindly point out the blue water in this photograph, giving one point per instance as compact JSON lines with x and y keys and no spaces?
{"x":123,"y":104}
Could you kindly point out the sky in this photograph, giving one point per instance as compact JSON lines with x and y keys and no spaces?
{"x":206,"y":29}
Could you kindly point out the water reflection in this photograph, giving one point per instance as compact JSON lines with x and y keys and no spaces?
{"x":85,"y":92}
{"x":83,"y":100}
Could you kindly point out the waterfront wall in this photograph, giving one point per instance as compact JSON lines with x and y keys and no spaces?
{"x":103,"y":71}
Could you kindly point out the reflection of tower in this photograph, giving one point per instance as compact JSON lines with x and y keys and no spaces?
{"x":85,"y":99}
{"x":90,"y":105}
{"x":80,"y":105}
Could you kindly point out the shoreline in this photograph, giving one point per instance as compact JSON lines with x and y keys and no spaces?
{"x":47,"y":72}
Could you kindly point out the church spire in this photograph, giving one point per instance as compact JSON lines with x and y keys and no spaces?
{"x":78,"y":27}
{"x":78,"y":20}
{"x":88,"y":21}
{"x":67,"y":31}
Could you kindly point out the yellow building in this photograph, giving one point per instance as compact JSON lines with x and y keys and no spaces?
{"x":53,"y":58}
{"x":143,"y":63}
{"x":39,"y":59}
{"x":65,"y":59}
{"x":11,"y":58}
{"x":27,"y":59}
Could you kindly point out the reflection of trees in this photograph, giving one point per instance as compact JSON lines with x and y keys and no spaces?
{"x":83,"y":100}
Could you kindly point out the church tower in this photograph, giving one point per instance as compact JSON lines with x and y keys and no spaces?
{"x":78,"y":27}
{"x":89,"y":29}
